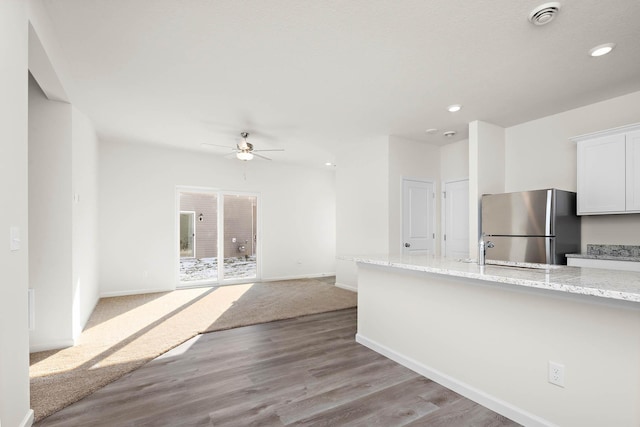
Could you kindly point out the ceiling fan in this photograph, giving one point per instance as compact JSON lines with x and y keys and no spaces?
{"x":244,"y":149}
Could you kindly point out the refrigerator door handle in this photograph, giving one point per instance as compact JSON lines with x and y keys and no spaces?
{"x":550,"y":249}
{"x":548,"y":218}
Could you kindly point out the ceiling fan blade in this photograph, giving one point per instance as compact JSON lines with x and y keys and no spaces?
{"x":274,"y":149}
{"x":206,"y":144}
{"x":261,"y":156}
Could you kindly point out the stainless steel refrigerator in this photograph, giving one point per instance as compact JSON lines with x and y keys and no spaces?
{"x":539,"y":226}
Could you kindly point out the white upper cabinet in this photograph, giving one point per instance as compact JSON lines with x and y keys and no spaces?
{"x":609,"y":171}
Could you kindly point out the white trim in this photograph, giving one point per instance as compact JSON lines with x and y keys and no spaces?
{"x":606,"y":132}
{"x":51,"y":345}
{"x":347,"y":287}
{"x":134,"y":292}
{"x":220,"y":243}
{"x":27,"y":421}
{"x":497,"y":405}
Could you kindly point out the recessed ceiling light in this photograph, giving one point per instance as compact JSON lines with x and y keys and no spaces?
{"x":602,"y":49}
{"x":454,"y":108}
{"x":449,"y":133}
{"x":431,"y":131}
{"x":329,"y":164}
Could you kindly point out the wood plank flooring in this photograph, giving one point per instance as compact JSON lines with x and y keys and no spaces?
{"x":305,"y":371}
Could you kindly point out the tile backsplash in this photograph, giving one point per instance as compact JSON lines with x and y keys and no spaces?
{"x":614,"y":250}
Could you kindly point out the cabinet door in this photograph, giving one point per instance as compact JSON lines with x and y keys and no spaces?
{"x":633,"y":171}
{"x":601,"y":175}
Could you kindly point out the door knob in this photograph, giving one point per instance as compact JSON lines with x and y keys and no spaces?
{"x":407,"y":245}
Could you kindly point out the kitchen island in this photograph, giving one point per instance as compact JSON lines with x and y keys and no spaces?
{"x":490,"y":333}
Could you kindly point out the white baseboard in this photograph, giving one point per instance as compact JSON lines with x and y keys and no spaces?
{"x":347,"y":287}
{"x":28,"y":419}
{"x":497,"y":405}
{"x":50,"y":345}
{"x":132,"y":292}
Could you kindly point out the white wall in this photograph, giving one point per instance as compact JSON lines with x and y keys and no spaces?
{"x":362,"y":204}
{"x":538,"y":154}
{"x":50,"y":219}
{"x":84,"y":186}
{"x":63,"y":162}
{"x":137,"y":213}
{"x":14,"y":336}
{"x":454,"y":161}
{"x":486,"y":172}
{"x":47,"y":61}
{"x":410,"y":159}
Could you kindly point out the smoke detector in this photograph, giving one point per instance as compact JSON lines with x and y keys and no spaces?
{"x":544,"y":13}
{"x":449,"y":133}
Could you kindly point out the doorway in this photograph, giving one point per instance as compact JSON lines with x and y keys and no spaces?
{"x":418,"y":217}
{"x":455,"y":218}
{"x":217,"y":237}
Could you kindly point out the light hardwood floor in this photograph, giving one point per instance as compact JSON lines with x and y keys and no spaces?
{"x":303,"y":371}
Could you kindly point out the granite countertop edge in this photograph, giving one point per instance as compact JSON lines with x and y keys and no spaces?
{"x":607,"y":284}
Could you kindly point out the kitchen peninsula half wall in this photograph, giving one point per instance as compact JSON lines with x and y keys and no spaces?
{"x":490,"y":333}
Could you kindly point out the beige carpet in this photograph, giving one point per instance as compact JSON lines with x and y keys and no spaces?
{"x":124,"y":333}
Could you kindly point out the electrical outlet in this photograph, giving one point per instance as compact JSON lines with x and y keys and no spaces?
{"x":556,"y":373}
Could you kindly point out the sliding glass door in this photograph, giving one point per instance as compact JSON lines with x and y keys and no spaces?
{"x":240,"y":236}
{"x":198,"y":236}
{"x":218,"y":237}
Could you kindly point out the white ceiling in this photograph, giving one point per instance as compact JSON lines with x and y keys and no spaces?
{"x":309,"y":76}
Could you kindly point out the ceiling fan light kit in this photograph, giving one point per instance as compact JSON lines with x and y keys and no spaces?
{"x":244,"y":155}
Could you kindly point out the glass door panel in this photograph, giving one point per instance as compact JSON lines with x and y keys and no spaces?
{"x":240,"y":236}
{"x":187,"y":234}
{"x":198,"y":237}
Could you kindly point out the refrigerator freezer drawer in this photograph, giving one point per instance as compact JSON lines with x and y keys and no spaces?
{"x":538,"y":250}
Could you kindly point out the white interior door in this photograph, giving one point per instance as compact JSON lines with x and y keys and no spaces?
{"x":418,"y":230}
{"x":456,"y":219}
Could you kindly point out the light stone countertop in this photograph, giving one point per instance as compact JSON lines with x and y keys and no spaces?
{"x":609,"y":284}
